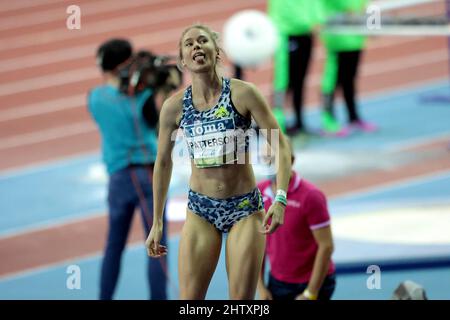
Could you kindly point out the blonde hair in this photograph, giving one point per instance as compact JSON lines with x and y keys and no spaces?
{"x":212,"y":34}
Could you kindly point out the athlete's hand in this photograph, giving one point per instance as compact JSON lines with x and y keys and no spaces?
{"x":276,"y":212}
{"x":154,"y":249}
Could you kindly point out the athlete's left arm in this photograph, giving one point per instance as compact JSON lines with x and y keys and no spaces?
{"x":251,"y":101}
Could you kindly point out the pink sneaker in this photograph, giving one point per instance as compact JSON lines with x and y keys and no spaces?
{"x":364,"y":126}
{"x":341,"y":133}
{"x":344,"y":132}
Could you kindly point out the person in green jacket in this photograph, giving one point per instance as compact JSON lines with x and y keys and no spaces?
{"x":295,"y":21}
{"x":343,"y":55}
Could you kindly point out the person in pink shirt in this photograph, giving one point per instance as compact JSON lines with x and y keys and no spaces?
{"x":300,"y":250}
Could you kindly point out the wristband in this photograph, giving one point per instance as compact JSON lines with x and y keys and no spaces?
{"x":281,"y":197}
{"x":281,"y":200}
{"x":282,"y":193}
{"x":308,"y":295}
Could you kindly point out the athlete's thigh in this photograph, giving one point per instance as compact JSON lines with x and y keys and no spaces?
{"x":199,"y":251}
{"x":244,"y":254}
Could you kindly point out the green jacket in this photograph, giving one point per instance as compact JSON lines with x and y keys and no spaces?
{"x":295,"y":17}
{"x":292,"y":18}
{"x":339,"y":43}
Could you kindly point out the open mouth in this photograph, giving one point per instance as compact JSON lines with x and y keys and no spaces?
{"x":198,"y":56}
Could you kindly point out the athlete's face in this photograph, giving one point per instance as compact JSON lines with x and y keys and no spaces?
{"x":198,"y":50}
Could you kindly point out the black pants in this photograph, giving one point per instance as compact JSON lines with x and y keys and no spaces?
{"x":348,"y":63}
{"x":288,"y":291}
{"x":300,"y":49}
{"x":238,"y":72}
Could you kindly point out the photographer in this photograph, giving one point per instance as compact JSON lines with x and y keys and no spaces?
{"x":125,"y":112}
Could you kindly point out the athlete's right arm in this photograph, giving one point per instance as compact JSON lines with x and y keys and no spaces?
{"x":170,"y":113}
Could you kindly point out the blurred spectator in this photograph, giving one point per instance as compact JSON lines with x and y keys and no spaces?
{"x":343,"y":56}
{"x":295,"y":20}
{"x":300,"y":250}
{"x":127,"y":126}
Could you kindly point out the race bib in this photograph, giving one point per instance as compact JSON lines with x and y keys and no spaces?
{"x":212,"y":143}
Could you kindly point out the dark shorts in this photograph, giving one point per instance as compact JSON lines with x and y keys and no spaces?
{"x":288,"y":291}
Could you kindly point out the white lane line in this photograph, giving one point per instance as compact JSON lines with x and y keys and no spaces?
{"x":87,"y":126}
{"x":55,"y":163}
{"x":66,"y":262}
{"x":47,"y":135}
{"x":370,"y":97}
{"x":378,"y":68}
{"x":417,"y":142}
{"x":40,"y":108}
{"x":85,"y":51}
{"x":51,"y":224}
{"x":87,"y":9}
{"x":51,"y":80}
{"x":15,"y":5}
{"x":131,"y":21}
{"x":84,"y":74}
{"x":383,"y":187}
{"x":46,"y":58}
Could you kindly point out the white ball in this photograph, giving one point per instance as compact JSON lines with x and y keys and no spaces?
{"x":250,"y":38}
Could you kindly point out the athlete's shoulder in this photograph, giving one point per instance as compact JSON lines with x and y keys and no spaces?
{"x":241,"y":85}
{"x":244,"y":92}
{"x":172,"y":107}
{"x":175,"y":101}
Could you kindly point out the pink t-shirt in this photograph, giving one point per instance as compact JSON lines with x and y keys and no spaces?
{"x":292,"y":247}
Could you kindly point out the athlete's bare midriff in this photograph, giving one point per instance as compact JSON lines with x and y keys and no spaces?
{"x":224,"y":181}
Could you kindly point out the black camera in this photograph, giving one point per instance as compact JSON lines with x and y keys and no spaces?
{"x":145,"y":70}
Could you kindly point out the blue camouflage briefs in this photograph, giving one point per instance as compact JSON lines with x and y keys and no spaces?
{"x":224,"y":213}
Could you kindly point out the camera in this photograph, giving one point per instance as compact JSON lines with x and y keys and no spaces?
{"x":144,"y":70}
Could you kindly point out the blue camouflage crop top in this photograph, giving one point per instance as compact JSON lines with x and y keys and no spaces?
{"x":215,"y":136}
